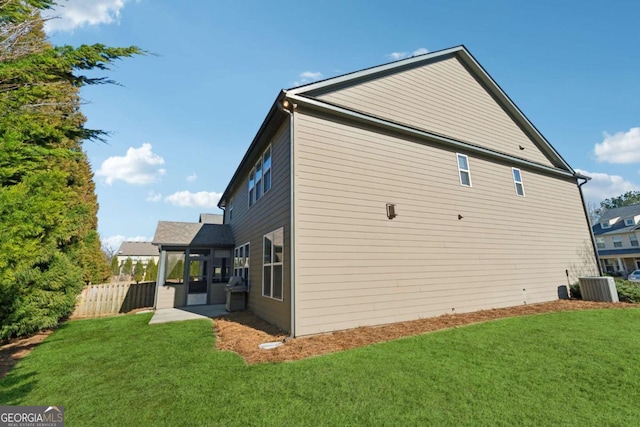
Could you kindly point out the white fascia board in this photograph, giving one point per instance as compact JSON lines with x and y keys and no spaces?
{"x":454,"y":144}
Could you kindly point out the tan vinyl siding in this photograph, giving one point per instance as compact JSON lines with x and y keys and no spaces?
{"x":441,"y":97}
{"x":355,"y":267}
{"x":270,"y":212}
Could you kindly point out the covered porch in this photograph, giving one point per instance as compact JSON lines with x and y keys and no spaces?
{"x":194,"y":265}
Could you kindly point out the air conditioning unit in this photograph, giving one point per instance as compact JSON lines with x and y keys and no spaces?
{"x":598,"y":289}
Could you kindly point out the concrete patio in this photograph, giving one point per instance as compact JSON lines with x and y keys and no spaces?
{"x":166,"y":315}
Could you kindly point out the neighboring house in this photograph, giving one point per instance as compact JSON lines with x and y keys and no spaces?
{"x":617,"y":233}
{"x":398,"y":192}
{"x":137,"y":251}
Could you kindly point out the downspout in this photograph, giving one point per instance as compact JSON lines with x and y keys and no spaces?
{"x":586,"y":214}
{"x":288,"y":107}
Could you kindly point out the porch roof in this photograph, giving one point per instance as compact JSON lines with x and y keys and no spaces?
{"x":192,"y":234}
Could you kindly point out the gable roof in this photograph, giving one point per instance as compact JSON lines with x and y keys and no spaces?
{"x":622,"y":212}
{"x":137,"y":249}
{"x":169,"y":233}
{"x":304,"y":95}
{"x":619,"y":226}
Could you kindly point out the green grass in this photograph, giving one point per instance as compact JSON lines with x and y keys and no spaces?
{"x":571,"y":368}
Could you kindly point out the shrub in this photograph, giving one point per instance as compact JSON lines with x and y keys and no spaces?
{"x":575,"y":291}
{"x":628,"y":291}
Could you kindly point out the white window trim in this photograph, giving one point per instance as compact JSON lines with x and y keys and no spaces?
{"x":460,"y":170}
{"x":264,"y":170}
{"x":605,"y":225}
{"x":629,"y":222}
{"x":239,"y":271}
{"x":515,"y":182}
{"x":617,"y":239}
{"x":272,"y":264}
{"x":253,"y":189}
{"x":635,"y":239}
{"x":600,"y":241}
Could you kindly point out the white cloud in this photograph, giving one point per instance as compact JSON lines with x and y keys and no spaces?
{"x":187,"y":199}
{"x":153,"y":197}
{"x":604,"y":186}
{"x":71,"y":14}
{"x":621,"y":147}
{"x":192,"y":177}
{"x":138,"y":166}
{"x":395,"y":56}
{"x":308,"y":77}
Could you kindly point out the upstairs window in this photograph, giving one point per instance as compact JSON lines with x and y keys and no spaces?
{"x":463,"y":170}
{"x":600,"y":242}
{"x":633,"y":239}
{"x":605,"y":225}
{"x":617,"y":241}
{"x":230,"y":210}
{"x":629,"y":222}
{"x":252,"y":188}
{"x":517,"y":180}
{"x":267,"y":170}
{"x":260,"y":177}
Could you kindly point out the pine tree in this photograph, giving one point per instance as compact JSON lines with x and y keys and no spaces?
{"x":127,"y":267}
{"x":49,"y":245}
{"x":114,"y":267}
{"x":151,"y":273}
{"x":138,"y":271}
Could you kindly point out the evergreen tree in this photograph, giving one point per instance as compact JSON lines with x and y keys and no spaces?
{"x":114,"y":266}
{"x":151,"y":274}
{"x":127,"y":267}
{"x":49,"y":246}
{"x":138,"y":271}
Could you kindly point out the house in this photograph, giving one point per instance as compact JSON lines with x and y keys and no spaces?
{"x":407,"y":190}
{"x":195,"y":261}
{"x":137,"y":251}
{"x":617,"y":233}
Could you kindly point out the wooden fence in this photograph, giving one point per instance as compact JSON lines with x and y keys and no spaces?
{"x":113,"y":298}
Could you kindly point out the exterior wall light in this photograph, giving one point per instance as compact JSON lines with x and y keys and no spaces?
{"x":391,"y":211}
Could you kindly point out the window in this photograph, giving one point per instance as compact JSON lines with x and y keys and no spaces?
{"x":241,"y":262}
{"x":629,"y":222}
{"x":605,"y":225}
{"x":517,"y":180}
{"x":600,"y":242}
{"x":463,"y":170}
{"x":252,"y":187}
{"x":633,"y":239}
{"x":230,"y":210}
{"x":617,"y":241}
{"x":267,"y":170}
{"x":273,"y":251}
{"x":260,"y":177}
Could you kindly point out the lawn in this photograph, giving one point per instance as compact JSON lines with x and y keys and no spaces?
{"x":568,"y":368}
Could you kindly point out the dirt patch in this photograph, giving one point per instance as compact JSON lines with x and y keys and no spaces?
{"x":243,"y":332}
{"x":16,"y":349}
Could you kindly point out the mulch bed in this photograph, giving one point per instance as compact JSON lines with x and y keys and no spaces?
{"x":242,"y":332}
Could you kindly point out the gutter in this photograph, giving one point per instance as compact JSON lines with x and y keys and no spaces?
{"x":284,"y":107}
{"x":586,"y":215}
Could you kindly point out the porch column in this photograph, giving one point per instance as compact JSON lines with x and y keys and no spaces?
{"x":162,"y":267}
{"x":620,"y":265}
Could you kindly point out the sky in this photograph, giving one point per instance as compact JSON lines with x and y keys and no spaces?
{"x":184,"y":115}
